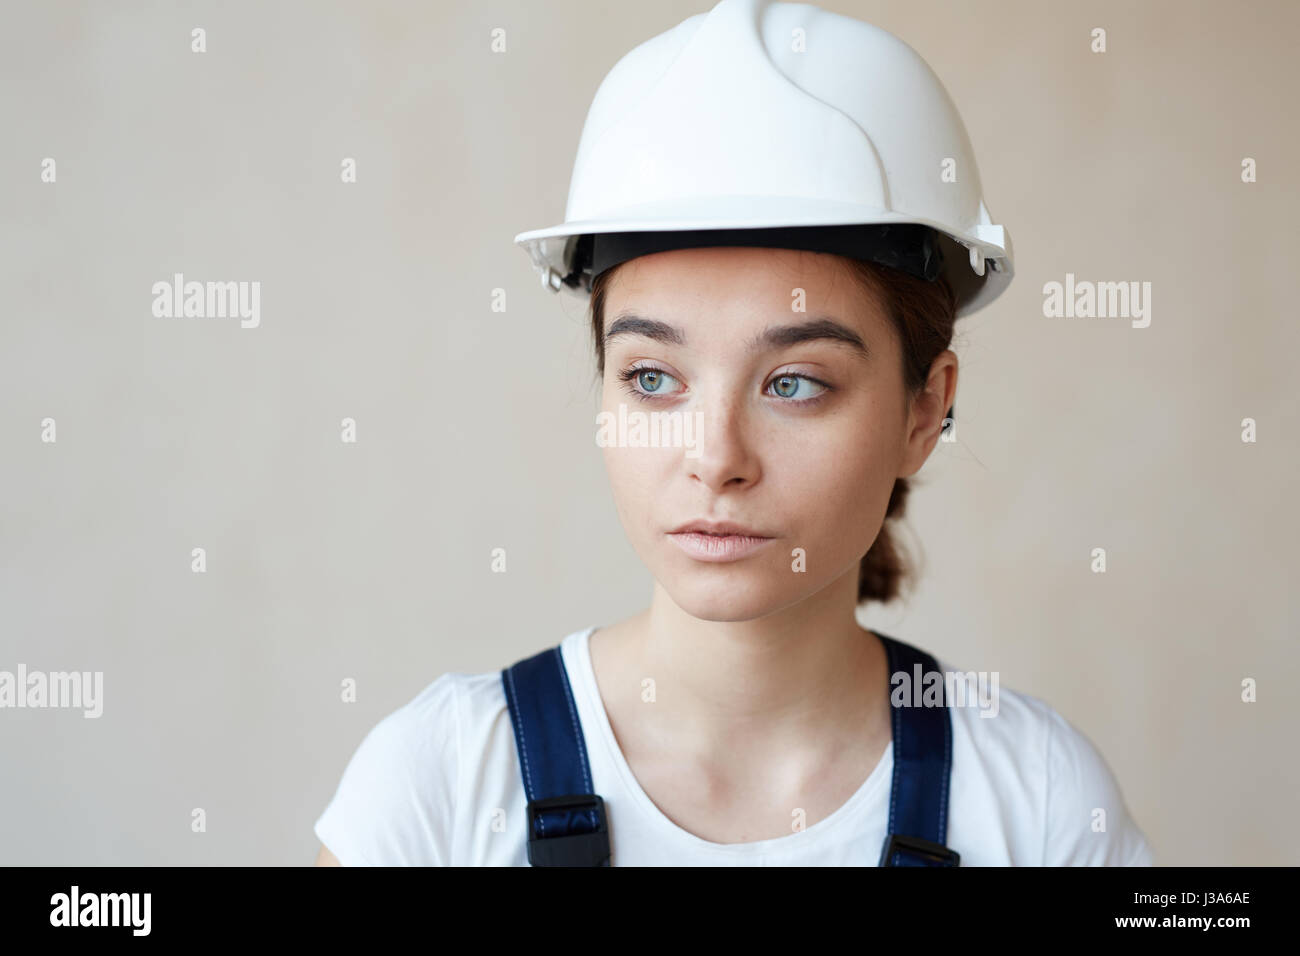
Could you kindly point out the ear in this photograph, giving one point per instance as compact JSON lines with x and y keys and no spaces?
{"x":926,"y":415}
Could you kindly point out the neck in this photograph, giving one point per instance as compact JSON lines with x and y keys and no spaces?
{"x":806,"y":673}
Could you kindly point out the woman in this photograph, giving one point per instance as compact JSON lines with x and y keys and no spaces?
{"x":788,"y":310}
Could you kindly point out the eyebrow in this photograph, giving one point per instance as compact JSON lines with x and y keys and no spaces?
{"x":774,"y":336}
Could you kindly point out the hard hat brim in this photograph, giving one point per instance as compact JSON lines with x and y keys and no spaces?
{"x":551,"y":249}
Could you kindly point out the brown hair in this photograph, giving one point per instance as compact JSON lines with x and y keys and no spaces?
{"x":922,"y":314}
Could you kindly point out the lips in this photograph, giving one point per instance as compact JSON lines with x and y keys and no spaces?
{"x":719,"y":529}
{"x":718,"y":541}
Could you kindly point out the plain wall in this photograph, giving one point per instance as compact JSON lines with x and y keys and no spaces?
{"x":370,"y":561}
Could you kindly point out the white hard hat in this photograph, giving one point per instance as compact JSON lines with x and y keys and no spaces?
{"x":776,"y":116}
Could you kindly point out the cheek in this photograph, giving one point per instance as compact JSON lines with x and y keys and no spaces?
{"x":836,"y":481}
{"x":636,"y":475}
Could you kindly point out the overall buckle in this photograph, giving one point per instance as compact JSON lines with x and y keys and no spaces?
{"x":931,"y":854}
{"x":572,"y":849}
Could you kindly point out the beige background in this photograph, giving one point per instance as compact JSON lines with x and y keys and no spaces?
{"x":371,"y":561}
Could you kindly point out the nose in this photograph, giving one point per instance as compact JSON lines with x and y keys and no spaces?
{"x":727,"y":458}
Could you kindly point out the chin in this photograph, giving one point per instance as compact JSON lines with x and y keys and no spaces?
{"x":714,"y":598}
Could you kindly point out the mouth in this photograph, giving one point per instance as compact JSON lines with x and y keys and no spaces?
{"x":718,"y":541}
{"x":718,"y":529}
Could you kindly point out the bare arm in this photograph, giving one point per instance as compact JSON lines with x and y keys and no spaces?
{"x":326,"y":858}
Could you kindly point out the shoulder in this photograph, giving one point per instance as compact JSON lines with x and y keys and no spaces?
{"x":1088,"y":821}
{"x":418,"y":731}
{"x":431,"y":783}
{"x":1034,"y":763}
{"x":396,"y":801}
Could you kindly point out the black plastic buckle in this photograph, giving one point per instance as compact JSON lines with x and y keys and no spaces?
{"x":575,"y":849}
{"x":935,"y":854}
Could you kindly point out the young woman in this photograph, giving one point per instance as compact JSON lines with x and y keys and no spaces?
{"x":745,"y":717}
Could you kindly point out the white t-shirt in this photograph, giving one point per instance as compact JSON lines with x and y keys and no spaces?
{"x":437,"y":782}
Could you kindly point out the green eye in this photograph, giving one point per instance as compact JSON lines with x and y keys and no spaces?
{"x":648,"y":383}
{"x":651,"y":378}
{"x":643,"y":381}
{"x":787,"y":386}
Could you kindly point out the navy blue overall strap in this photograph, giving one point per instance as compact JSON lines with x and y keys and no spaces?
{"x":566,"y":819}
{"x":922,"y":732}
{"x":567,"y":824}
